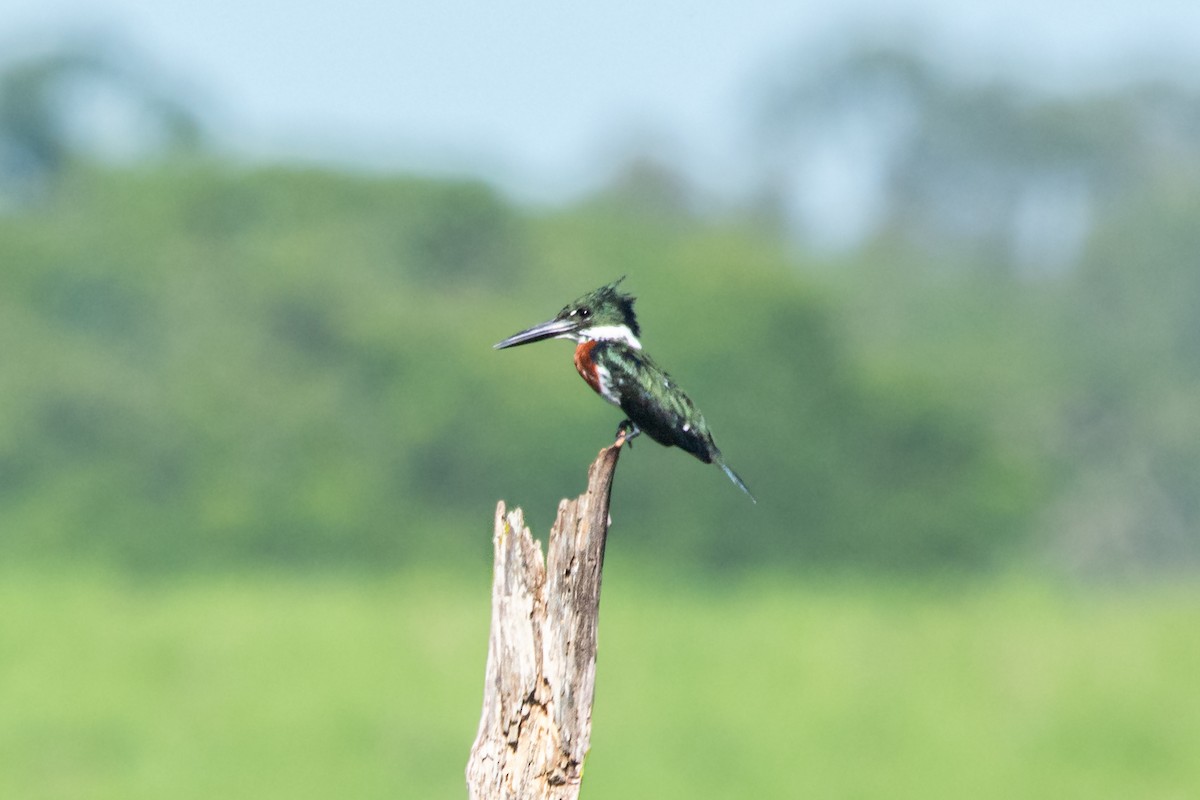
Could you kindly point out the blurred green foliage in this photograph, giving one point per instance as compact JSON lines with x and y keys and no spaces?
{"x":217,"y":366}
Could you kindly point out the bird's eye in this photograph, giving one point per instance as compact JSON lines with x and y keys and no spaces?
{"x":585,"y":312}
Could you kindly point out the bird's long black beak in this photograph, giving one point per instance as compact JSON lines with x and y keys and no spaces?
{"x":546,"y":330}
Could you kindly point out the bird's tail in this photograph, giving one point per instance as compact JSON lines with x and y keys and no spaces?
{"x":737,"y":481}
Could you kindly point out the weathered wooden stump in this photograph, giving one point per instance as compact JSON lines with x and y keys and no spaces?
{"x":541,"y":666}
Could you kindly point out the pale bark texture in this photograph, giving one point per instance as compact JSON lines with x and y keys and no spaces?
{"x":541,"y":664}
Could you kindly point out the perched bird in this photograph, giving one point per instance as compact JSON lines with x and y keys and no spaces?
{"x":609,"y":356}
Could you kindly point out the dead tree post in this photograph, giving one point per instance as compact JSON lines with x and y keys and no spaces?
{"x":541,"y":665}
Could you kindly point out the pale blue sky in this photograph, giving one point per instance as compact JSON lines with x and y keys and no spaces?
{"x":540,"y":95}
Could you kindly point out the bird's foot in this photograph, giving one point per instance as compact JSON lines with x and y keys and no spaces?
{"x":625,"y":433}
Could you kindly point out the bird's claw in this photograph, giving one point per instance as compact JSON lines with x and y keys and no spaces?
{"x":626,"y":431}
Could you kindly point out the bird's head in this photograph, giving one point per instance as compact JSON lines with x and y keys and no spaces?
{"x":603,"y":314}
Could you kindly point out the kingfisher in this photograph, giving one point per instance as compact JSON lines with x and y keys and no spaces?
{"x":610,"y":358}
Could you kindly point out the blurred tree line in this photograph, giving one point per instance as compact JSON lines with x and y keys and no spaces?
{"x":1033,"y":249}
{"x":219,"y":365}
{"x":46,"y":127}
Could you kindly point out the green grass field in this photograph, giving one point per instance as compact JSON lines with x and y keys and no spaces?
{"x":266,"y":686}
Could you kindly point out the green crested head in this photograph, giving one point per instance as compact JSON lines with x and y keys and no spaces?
{"x":605,"y":314}
{"x":606,"y":307}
